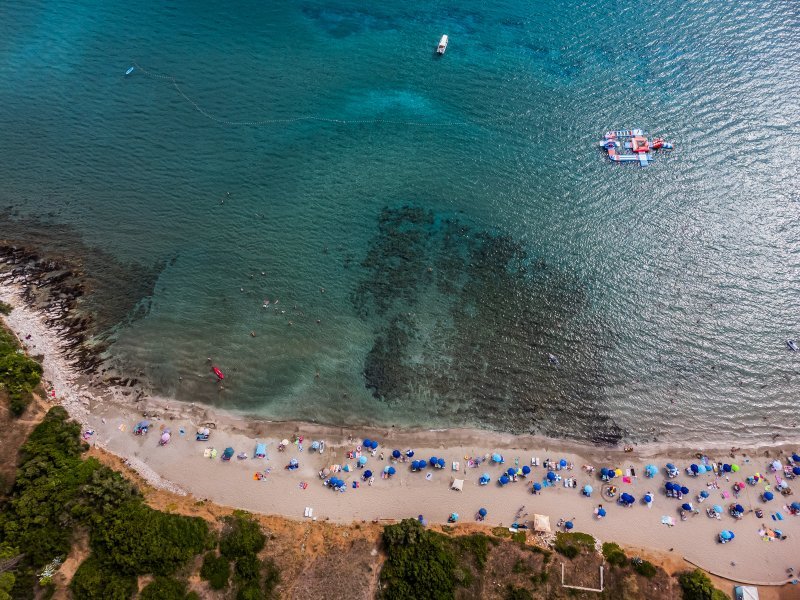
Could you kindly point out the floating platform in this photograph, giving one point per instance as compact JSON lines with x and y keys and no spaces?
{"x":631,"y":145}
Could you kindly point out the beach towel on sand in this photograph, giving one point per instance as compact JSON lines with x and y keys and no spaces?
{"x":626,"y":479}
{"x":669,"y":521}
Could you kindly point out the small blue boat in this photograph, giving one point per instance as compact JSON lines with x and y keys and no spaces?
{"x":129,"y":71}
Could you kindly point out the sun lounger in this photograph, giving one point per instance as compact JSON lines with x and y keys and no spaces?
{"x":456,"y":465}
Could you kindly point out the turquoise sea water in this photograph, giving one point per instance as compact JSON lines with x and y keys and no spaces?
{"x":460,"y":221}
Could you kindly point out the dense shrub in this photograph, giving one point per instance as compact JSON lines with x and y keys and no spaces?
{"x":614,"y":555}
{"x":216,"y":570}
{"x":137,"y":539}
{"x":697,"y":586}
{"x":164,"y":588}
{"x":242,"y":535}
{"x":5,"y":308}
{"x":19,"y":375}
{"x":645,"y":568}
{"x":248,"y":568}
{"x":250,"y":591}
{"x":569,"y":544}
{"x":93,"y":581}
{"x":517,"y":593}
{"x":419,"y":564}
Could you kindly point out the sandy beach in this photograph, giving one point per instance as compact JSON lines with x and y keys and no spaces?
{"x":180,"y":466}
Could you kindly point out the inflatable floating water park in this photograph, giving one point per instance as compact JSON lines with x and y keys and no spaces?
{"x":631,"y":145}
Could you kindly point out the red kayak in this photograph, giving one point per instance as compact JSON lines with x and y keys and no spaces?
{"x":218,"y":373}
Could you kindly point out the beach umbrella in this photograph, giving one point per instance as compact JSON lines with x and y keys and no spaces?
{"x":739,"y":508}
{"x":717,"y":508}
{"x":440,"y":463}
{"x":670,"y":486}
{"x":497,"y":458}
{"x":504,"y":480}
{"x":367,"y":474}
{"x":551,"y":476}
{"x":396,"y":453}
{"x":367,"y":443}
{"x":686,"y":506}
{"x":386,"y":469}
{"x":726,"y":535}
{"x":612,"y":473}
{"x":537,"y":486}
{"x":768,"y":496}
{"x":511,"y":471}
{"x":587,"y":489}
{"x":415,"y":465}
{"x":562,"y":463}
{"x":796,"y":457}
{"x":776,"y":465}
{"x":601,"y":512}
{"x":392,"y":471}
{"x":735,"y":468}
{"x":362,"y":460}
{"x":604,"y":472}
{"x":284,"y":442}
{"x":648,"y":498}
{"x":704,"y":494}
{"x":628,"y":498}
{"x":374,"y":445}
{"x":726,"y":467}
{"x":434,"y":461}
{"x":795,"y":505}
{"x":568,"y":525}
{"x":483,"y":512}
{"x":409,"y":453}
{"x":670,"y":467}
{"x":526,"y":470}
{"x":618,"y":472}
{"x":651,"y":470}
{"x":701,"y":469}
{"x":694,"y":469}
{"x":485,"y":476}
{"x":796,"y":470}
{"x":684,"y":490}
{"x":422,"y":465}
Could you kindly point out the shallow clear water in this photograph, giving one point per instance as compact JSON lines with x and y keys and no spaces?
{"x":665,"y":293}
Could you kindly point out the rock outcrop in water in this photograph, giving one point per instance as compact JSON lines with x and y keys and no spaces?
{"x":465,"y":323}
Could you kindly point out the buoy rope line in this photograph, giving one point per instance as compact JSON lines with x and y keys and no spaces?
{"x":174,"y":83}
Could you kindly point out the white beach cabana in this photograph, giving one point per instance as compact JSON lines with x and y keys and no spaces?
{"x":541,"y":524}
{"x":458,"y":485}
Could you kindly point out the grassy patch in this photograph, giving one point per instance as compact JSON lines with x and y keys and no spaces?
{"x":19,"y":375}
{"x":571,"y":544}
{"x":645,"y":568}
{"x":501,"y":532}
{"x":614,"y":555}
{"x":5,"y":308}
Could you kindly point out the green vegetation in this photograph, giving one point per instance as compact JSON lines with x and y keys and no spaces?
{"x":216,"y":570}
{"x":164,"y":588}
{"x":241,"y":536}
{"x":570,"y":544}
{"x":697,"y":586}
{"x":614,"y":555}
{"x":5,"y":308}
{"x":645,"y":568}
{"x":419,"y":563}
{"x":56,"y":491}
{"x":19,"y":375}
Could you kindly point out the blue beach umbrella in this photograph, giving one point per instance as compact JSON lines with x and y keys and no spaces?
{"x":526,"y":470}
{"x":628,"y":498}
{"x":374,"y":445}
{"x":701,"y":469}
{"x":485,"y":476}
{"x":648,"y":498}
{"x":717,"y":508}
{"x":433,"y":461}
{"x":796,"y":470}
{"x":504,"y":480}
{"x":587,"y":489}
{"x":511,"y":471}
{"x":796,"y":457}
{"x":415,"y":465}
{"x":768,"y":496}
{"x":604,"y":472}
{"x":611,"y":474}
{"x":537,"y":486}
{"x":795,"y":505}
{"x":651,"y":470}
{"x":483,"y":512}
{"x":497,"y":458}
{"x":670,"y":486}
{"x":392,"y":471}
{"x":551,"y":476}
{"x":601,"y":512}
{"x":726,"y":467}
{"x":367,"y":474}
{"x":739,"y":508}
{"x":684,"y":490}
{"x":362,"y":460}
{"x":422,"y":465}
{"x":367,"y":443}
{"x":410,"y":453}
{"x":396,"y":453}
{"x":569,"y":525}
{"x":694,"y":469}
{"x":670,"y":467}
{"x":562,"y":463}
{"x":440,"y":463}
{"x":386,"y":469}
{"x":686,"y":506}
{"x":704,"y":494}
{"x":726,"y":535}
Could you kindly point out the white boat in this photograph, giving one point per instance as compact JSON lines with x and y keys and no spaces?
{"x":442,"y":45}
